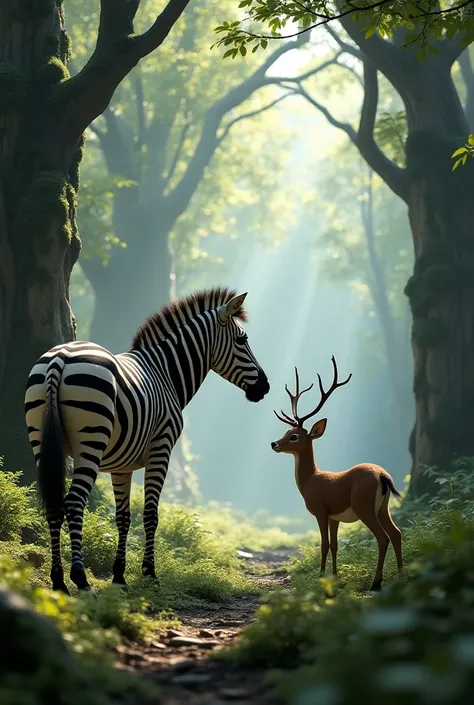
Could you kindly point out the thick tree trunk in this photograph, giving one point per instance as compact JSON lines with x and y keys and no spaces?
{"x":441,"y":294}
{"x":136,"y":282}
{"x":39,"y":243}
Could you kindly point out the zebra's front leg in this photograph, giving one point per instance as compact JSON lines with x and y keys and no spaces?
{"x":75,"y":501}
{"x":155,"y":474}
{"x":121,"y":483}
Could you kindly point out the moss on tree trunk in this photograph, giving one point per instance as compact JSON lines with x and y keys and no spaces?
{"x":39,"y":243}
{"x":441,"y":295}
{"x":43,"y":115}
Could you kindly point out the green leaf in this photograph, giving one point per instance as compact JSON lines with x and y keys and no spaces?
{"x":459,"y":151}
{"x":470,"y":139}
{"x":264,"y":43}
{"x":243,"y":49}
{"x":457,"y":163}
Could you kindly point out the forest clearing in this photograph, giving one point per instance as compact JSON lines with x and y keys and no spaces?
{"x":199,"y":199}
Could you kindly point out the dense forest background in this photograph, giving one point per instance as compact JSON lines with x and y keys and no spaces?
{"x":319,"y":241}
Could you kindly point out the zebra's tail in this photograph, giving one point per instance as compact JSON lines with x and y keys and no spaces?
{"x":51,"y":464}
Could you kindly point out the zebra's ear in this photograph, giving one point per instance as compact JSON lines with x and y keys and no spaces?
{"x":231,"y":307}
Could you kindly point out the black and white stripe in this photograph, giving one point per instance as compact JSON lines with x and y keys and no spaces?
{"x":118,"y":413}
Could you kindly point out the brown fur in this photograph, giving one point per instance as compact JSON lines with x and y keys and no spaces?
{"x":171,"y":316}
{"x":328,"y":495}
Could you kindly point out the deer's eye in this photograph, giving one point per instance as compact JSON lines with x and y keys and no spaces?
{"x":294,"y":437}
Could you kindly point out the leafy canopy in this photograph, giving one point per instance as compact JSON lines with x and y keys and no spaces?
{"x":264,"y":20}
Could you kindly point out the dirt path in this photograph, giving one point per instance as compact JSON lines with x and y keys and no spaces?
{"x":186,"y":670}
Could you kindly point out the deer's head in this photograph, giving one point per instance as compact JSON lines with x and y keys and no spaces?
{"x":298,"y":438}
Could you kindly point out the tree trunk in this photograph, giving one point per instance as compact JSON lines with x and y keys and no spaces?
{"x":441,"y":294}
{"x":39,"y":243}
{"x":135,"y":283}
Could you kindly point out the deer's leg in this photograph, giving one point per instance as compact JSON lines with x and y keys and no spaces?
{"x":323,"y":530}
{"x":369,"y":518}
{"x":121,"y":483}
{"x":390,"y":528}
{"x":333,"y":529}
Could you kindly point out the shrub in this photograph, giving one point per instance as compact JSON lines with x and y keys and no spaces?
{"x":16,"y":511}
{"x":416,"y":642}
{"x":91,"y":629}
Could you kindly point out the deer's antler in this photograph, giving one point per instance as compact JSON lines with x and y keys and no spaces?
{"x":299,"y":420}
{"x":286,"y":418}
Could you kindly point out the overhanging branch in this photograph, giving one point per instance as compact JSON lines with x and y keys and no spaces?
{"x":363,"y":138}
{"x":251,"y":114}
{"x":393,"y":175}
{"x":85,"y":96}
{"x":178,"y":199}
{"x":387,"y":58}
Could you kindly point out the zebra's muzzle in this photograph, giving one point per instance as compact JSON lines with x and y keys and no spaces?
{"x":256,"y":392}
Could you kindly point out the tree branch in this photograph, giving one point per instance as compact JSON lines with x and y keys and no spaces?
{"x":344,"y":126}
{"x":392,"y":62}
{"x":178,"y":199}
{"x":145,"y":43}
{"x":345,"y":46}
{"x":178,"y":150}
{"x":251,"y":114}
{"x":394,"y":176}
{"x":308,"y":74}
{"x":85,"y":96}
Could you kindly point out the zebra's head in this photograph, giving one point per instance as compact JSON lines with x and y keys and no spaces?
{"x":232,"y":356}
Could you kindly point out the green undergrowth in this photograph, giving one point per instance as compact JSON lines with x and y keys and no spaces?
{"x":196,"y":562}
{"x":79,"y":665}
{"x":332,"y":642}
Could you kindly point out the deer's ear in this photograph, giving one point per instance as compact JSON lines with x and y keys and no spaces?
{"x":318,"y":429}
{"x":231,"y":307}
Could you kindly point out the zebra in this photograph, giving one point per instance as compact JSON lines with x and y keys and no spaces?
{"x":118,"y":413}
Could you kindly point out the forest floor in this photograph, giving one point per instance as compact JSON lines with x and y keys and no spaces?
{"x":182,"y":662}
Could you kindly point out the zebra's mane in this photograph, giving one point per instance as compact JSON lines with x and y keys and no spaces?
{"x":175,"y":314}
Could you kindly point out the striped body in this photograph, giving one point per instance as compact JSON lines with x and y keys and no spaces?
{"x":118,"y":413}
{"x":112,"y":406}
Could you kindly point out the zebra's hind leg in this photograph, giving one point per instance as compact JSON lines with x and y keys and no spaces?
{"x":121,"y":483}
{"x":55,"y":522}
{"x":57,"y":574}
{"x":75,"y":501}
{"x":155,"y":474}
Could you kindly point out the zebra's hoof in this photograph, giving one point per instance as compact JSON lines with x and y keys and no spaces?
{"x":62,"y":587}
{"x":121,"y":583}
{"x":87,"y":589}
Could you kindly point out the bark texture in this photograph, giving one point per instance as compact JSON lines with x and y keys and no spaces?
{"x":43,"y":115}
{"x":441,"y":294}
{"x":441,"y":291}
{"x":39,"y":243}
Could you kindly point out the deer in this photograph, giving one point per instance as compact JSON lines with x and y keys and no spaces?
{"x":360,"y":493}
